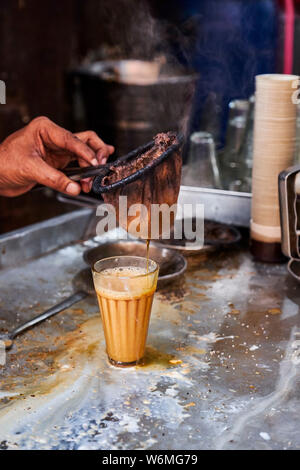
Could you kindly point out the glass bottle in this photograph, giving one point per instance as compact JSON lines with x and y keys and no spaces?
{"x":201,"y":168}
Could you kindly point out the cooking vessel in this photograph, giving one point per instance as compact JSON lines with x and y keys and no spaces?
{"x":289,"y":189}
{"x":127,"y":102}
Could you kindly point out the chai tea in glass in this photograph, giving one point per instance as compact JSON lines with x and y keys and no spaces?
{"x":125,"y":287}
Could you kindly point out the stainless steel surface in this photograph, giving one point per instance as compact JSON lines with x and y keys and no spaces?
{"x":21,"y":245}
{"x":83,"y":282}
{"x":191,"y":250}
{"x":82,"y":200}
{"x":172,"y":265}
{"x":288,"y":212}
{"x":228,"y":207}
{"x":222,"y":366}
{"x":186,"y":248}
{"x":71,"y":300}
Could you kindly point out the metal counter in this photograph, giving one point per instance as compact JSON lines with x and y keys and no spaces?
{"x":222,"y":368}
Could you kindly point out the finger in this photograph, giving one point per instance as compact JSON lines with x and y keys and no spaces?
{"x":48,"y":176}
{"x":102,"y":157}
{"x":86,"y":184}
{"x":92,"y":139}
{"x":102,"y":149}
{"x":55,"y":136}
{"x":102,"y":153}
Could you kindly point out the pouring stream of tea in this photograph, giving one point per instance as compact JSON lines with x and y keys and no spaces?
{"x":148,"y":245}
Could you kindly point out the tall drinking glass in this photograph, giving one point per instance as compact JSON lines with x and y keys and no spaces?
{"x":202,"y":167}
{"x":125,"y":287}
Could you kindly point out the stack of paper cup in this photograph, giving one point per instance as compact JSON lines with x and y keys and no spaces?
{"x":273,"y":150}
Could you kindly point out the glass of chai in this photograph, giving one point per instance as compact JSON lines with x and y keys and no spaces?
{"x":125,"y":287}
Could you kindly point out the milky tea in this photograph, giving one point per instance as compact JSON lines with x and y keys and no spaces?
{"x":125,"y":287}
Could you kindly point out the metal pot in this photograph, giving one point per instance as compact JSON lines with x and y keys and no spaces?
{"x":129,"y":101}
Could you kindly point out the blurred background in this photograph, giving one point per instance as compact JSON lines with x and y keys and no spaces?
{"x":131,"y":68}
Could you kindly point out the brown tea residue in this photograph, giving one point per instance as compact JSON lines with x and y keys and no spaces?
{"x":42,"y":368}
{"x":172,"y":294}
{"x":190,"y":350}
{"x":233,"y":310}
{"x":274,"y":311}
{"x":41,"y":363}
{"x":155,"y":359}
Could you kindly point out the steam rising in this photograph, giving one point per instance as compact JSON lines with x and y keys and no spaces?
{"x":131,"y":26}
{"x":136,"y":34}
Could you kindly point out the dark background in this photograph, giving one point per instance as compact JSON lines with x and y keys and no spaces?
{"x":41,"y":40}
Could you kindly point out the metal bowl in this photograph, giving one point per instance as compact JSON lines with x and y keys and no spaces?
{"x":294,"y":268}
{"x":216,"y":236}
{"x":172,"y":264}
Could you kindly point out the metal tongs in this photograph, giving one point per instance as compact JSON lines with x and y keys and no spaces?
{"x":289,"y":188}
{"x":99,"y":171}
{"x":79,"y":173}
{"x":76,"y":174}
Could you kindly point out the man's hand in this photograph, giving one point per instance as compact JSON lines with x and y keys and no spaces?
{"x":35,"y":154}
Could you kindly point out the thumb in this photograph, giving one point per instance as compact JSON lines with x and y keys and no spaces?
{"x":55,"y":179}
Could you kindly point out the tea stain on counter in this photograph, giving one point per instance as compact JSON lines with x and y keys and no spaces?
{"x":274,"y":311}
{"x":155,"y":359}
{"x":68,"y":374}
{"x":233,"y":310}
{"x":59,"y":392}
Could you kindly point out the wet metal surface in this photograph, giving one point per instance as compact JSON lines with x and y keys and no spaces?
{"x":222,"y":368}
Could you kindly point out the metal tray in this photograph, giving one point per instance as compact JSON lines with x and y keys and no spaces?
{"x":223,"y":346}
{"x":172,"y":265}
